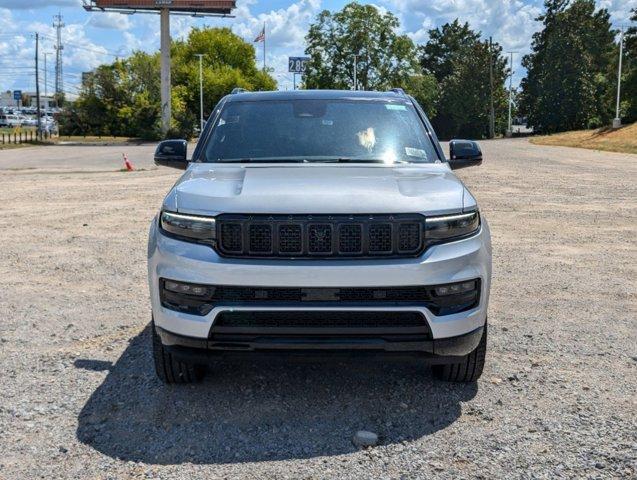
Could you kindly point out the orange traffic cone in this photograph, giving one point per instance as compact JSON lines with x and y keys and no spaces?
{"x":127,"y":164}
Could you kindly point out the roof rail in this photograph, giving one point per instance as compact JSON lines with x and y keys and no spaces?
{"x":238,"y":90}
{"x":398,"y":91}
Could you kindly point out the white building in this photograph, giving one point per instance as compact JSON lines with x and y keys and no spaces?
{"x":6,"y":100}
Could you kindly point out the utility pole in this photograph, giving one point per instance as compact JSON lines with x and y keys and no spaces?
{"x":492,"y":111}
{"x":59,"y":78}
{"x":45,"y":91}
{"x":164,"y":28}
{"x":200,"y":55}
{"x":617,"y":121}
{"x":510,"y":129}
{"x":37,"y":82}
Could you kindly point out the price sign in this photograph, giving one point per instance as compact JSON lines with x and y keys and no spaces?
{"x":297,"y":64}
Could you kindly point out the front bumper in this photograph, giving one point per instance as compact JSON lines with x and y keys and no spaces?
{"x":457,"y":261}
{"x":201,"y":348}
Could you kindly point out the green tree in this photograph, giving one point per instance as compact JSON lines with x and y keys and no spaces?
{"x":629,"y":85}
{"x":568,"y":84}
{"x":228,"y":62}
{"x":26,"y":100}
{"x":123,"y":98}
{"x":459,"y":60}
{"x":424,"y":88}
{"x":385,"y":59}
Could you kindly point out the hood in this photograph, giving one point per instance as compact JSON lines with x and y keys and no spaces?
{"x":318,"y":188}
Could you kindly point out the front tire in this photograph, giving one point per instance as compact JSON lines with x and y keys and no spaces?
{"x":171,"y":370}
{"x":469,"y":369}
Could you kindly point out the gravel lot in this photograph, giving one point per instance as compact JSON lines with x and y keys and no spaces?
{"x":80,"y":400}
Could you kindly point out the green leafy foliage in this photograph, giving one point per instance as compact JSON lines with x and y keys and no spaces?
{"x":459,"y":61}
{"x":385,"y":59}
{"x":570,"y":68}
{"x":123,"y":98}
{"x":629,"y":85}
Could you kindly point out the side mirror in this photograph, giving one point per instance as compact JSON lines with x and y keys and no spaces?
{"x":172,"y":153}
{"x":464,"y":153}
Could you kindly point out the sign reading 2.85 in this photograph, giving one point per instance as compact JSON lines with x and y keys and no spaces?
{"x":297,"y":64}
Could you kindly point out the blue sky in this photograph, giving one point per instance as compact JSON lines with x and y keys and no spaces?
{"x":94,"y":38}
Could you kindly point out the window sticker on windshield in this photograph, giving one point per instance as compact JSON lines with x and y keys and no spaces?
{"x":415,"y":152}
{"x":391,"y":106}
{"x":327,"y":122}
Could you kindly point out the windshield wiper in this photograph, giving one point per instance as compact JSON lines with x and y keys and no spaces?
{"x":306,"y":160}
{"x":260,"y":160}
{"x":353,"y":160}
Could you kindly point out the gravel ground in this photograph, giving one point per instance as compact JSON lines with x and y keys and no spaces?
{"x":80,"y":400}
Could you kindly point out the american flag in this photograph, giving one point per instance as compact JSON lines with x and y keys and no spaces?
{"x":261,"y":36}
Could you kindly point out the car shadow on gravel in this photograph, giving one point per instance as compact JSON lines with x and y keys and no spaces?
{"x":270,"y":409}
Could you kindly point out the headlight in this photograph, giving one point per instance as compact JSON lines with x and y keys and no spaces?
{"x":449,"y":227}
{"x":188,"y":227}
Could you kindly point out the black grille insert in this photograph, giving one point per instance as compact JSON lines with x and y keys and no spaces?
{"x":320,"y":238}
{"x":260,"y":238}
{"x":325,"y":236}
{"x":330,"y":323}
{"x":290,"y":238}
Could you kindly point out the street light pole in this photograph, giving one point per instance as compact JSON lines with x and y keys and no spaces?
{"x":45,"y":93}
{"x":510,"y":130}
{"x":491,"y":109}
{"x":617,"y":121}
{"x":200,"y":55}
{"x":355,"y":72}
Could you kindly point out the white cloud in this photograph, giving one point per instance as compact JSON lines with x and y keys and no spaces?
{"x":510,"y":22}
{"x":285,"y":33}
{"x":110,"y":20}
{"x":35,"y":4}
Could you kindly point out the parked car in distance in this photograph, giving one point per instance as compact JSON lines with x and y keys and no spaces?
{"x":322,"y":221}
{"x":9,"y":120}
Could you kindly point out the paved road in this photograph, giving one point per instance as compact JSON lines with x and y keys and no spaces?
{"x":85,"y":157}
{"x":79,"y":398}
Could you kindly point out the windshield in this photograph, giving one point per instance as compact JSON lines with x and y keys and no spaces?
{"x":302,"y":130}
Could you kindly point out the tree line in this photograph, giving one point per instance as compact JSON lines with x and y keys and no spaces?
{"x":123,"y":98}
{"x":570,"y":82}
{"x":571,"y":76}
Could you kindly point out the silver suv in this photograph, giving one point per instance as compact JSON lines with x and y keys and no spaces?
{"x":319,"y":221}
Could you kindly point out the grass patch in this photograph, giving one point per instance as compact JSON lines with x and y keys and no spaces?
{"x":11,"y":146}
{"x":98,"y":139}
{"x":622,"y":140}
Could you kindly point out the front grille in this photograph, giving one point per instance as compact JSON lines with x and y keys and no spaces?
{"x":310,"y":326}
{"x":226,"y":294}
{"x":324,"y":236}
{"x":319,"y":319}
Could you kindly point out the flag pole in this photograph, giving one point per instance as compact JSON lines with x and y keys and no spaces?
{"x":264,"y":46}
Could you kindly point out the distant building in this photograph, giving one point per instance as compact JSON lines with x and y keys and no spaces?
{"x":6,"y":99}
{"x":46,"y":102}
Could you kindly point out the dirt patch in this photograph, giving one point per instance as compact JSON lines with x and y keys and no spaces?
{"x":80,"y":400}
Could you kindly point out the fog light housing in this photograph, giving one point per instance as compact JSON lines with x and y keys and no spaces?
{"x":455,"y":288}
{"x":186,"y":288}
{"x":191,"y":298}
